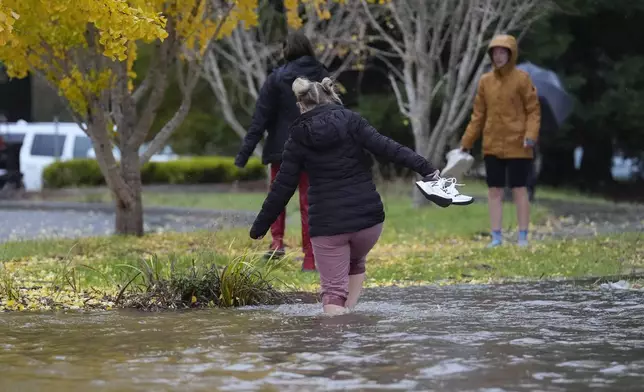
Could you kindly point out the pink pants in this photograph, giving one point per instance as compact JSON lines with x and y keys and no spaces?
{"x":338,"y":256}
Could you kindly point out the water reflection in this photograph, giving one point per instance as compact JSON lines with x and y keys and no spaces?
{"x":470,"y":338}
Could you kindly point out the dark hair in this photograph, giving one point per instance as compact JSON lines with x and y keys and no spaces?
{"x":297,"y":45}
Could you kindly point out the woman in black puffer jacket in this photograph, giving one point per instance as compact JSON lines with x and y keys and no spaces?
{"x":275,"y":111}
{"x":345,"y":211}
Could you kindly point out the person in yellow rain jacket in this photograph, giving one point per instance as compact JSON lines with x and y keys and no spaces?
{"x":507,"y":112}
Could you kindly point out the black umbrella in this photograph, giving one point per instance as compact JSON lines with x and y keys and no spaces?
{"x":556,"y":104}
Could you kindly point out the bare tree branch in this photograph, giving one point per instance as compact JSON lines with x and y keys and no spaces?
{"x":214,"y":77}
{"x":402,"y":106}
{"x":165,"y":51}
{"x":187,"y":85}
{"x":381,"y":31}
{"x":143,"y":88}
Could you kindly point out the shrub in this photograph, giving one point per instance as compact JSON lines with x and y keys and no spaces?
{"x":197,"y":170}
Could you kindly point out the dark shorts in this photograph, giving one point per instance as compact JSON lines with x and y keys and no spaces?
{"x":514,"y":172}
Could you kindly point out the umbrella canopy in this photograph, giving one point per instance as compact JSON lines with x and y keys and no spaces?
{"x":556,"y":104}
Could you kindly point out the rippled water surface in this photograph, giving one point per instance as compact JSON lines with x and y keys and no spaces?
{"x":548,"y":337}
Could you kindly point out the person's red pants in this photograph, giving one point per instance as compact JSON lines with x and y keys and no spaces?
{"x":279,"y":226}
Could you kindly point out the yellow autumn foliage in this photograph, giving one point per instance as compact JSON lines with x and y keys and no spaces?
{"x":73,"y":44}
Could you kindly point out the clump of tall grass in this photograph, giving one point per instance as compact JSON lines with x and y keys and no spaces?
{"x":8,"y":285}
{"x":199,"y":281}
{"x":80,"y":278}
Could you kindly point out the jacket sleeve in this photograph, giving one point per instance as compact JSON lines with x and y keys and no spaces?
{"x":385,"y":147}
{"x":264,"y":114}
{"x":473,"y":131}
{"x":532,"y":109}
{"x":282,"y":189}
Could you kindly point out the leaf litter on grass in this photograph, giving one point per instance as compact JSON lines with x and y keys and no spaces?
{"x":89,"y":273}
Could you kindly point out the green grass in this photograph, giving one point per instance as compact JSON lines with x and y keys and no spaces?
{"x":401,"y":215}
{"x":215,"y":201}
{"x":403,"y":222}
{"x":418,"y":246}
{"x":253,"y":201}
{"x":477,"y":187}
{"x":153,"y":272}
{"x":91,"y":272}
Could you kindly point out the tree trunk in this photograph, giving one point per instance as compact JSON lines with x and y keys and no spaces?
{"x":421,"y":143}
{"x":435,"y":155}
{"x":129,"y":219}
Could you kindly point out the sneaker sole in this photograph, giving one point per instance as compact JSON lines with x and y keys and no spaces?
{"x":434,"y":198}
{"x":463,"y":203}
{"x":459,"y":168}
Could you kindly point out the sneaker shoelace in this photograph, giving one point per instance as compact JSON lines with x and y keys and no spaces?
{"x":449,"y":185}
{"x":438,"y":182}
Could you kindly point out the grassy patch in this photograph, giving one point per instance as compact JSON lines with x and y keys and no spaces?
{"x":223,"y":269}
{"x":253,"y":201}
{"x":175,"y":270}
{"x":477,"y":187}
{"x":468,"y":261}
{"x":401,"y":215}
{"x":131,"y":276}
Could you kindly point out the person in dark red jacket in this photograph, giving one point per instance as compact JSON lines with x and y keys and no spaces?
{"x":332,"y":144}
{"x":275,"y":110}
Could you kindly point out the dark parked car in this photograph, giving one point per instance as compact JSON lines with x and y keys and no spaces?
{"x":10,"y":174}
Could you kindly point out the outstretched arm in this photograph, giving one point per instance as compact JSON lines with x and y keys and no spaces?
{"x":473,"y":131}
{"x":264,"y":114}
{"x":395,"y":152}
{"x":281,"y":191}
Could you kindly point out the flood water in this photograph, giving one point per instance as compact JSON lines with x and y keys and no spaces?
{"x":547,"y":337}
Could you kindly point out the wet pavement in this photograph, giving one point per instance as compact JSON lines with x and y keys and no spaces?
{"x":32,"y":224}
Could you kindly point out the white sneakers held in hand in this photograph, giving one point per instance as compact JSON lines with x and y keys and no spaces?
{"x":442,"y":190}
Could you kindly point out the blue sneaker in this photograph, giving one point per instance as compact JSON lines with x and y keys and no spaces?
{"x":523,"y":238}
{"x":497,"y":239}
{"x":494,"y":243}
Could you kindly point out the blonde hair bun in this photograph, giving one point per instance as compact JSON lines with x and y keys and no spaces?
{"x":328,"y":85}
{"x":301,"y":86}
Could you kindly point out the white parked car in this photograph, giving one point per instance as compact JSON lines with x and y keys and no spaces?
{"x":46,"y":143}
